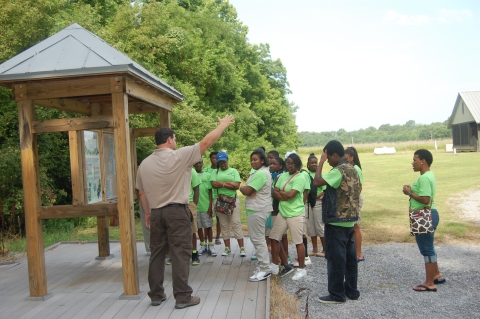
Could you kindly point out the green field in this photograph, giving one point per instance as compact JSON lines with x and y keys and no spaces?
{"x":384,"y":215}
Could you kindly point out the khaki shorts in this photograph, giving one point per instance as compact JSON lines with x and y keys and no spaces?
{"x":313,"y":218}
{"x":269,"y":230}
{"x":193,"y":208}
{"x":295,"y":224}
{"x":203,"y":220}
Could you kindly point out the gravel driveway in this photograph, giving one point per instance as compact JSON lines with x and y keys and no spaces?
{"x":385,"y":281}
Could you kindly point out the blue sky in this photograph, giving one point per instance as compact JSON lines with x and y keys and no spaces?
{"x":357,"y":63}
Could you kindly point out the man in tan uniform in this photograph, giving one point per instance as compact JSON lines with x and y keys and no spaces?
{"x":163,"y":183}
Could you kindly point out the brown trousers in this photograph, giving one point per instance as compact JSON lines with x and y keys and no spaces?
{"x":170,"y":230}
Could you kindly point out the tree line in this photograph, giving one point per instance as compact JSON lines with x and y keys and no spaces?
{"x":198,"y":46}
{"x":410,"y":131}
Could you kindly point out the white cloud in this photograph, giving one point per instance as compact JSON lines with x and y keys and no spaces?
{"x":444,"y":16}
{"x":403,"y":19}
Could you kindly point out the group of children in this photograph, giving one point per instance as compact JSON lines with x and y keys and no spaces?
{"x":206,"y":186}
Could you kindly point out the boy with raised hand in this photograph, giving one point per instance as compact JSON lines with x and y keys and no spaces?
{"x":340,"y":208}
{"x":204,"y":212}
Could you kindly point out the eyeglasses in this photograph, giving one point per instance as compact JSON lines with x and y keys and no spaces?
{"x":289,"y":164}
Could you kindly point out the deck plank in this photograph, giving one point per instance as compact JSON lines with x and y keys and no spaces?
{"x":82,"y":287}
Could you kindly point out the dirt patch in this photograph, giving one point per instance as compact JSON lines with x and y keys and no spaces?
{"x":467,"y":204}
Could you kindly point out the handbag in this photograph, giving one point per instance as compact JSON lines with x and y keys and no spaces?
{"x":268,"y":223}
{"x":225,"y":204}
{"x":421,"y":221}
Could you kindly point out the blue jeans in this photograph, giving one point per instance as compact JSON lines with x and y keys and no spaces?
{"x":342,"y":266}
{"x":425,"y":241}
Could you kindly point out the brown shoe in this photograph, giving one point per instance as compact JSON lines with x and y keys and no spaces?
{"x":159,"y":302}
{"x":195,"y":300}
{"x":321,"y":254}
{"x":313,"y":253}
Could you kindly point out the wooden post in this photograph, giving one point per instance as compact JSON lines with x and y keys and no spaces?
{"x":164,"y":118}
{"x":37,"y":276}
{"x":77,"y":166}
{"x":125,"y":194}
{"x":102,"y":221}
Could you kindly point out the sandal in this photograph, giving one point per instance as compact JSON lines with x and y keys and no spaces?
{"x":425,"y":288}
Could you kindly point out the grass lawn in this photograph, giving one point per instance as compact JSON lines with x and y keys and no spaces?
{"x":384,"y":214}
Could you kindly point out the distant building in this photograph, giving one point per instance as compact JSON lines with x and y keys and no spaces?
{"x":465,"y":122}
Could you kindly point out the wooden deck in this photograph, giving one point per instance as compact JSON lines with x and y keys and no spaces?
{"x":82,"y":287}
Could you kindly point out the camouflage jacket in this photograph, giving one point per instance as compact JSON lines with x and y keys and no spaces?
{"x":342,"y":204}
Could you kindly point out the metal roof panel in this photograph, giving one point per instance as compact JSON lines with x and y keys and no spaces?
{"x":74,"y":51}
{"x":472,"y":101}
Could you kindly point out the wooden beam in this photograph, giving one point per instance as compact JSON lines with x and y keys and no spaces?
{"x":73,"y":124}
{"x":123,"y":166}
{"x":73,"y":211}
{"x":62,"y":88}
{"x":164,"y":118}
{"x":69,"y":105}
{"x":141,"y":108}
{"x":148,"y":94}
{"x":31,"y":199}
{"x":77,"y":166}
{"x":144,"y":132}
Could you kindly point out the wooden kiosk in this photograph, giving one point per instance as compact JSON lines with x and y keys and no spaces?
{"x":76,"y":71}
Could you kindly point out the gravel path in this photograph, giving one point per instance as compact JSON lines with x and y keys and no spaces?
{"x":385,"y":282}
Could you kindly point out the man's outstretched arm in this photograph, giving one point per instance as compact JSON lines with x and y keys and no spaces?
{"x":214,"y":135}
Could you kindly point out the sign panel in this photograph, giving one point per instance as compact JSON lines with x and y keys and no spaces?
{"x":93,"y":170}
{"x":109,"y":166}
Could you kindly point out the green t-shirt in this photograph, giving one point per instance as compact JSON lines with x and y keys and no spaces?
{"x":228,"y":175}
{"x":293,"y":207}
{"x":424,"y":186}
{"x":204,"y":189}
{"x":257,"y":182}
{"x":307,"y":179}
{"x":195,"y":181}
{"x":360,"y":174}
{"x":209,"y":170}
{"x":321,"y":188}
{"x":334,"y":179}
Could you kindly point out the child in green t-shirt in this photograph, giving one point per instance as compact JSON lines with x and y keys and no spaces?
{"x":204,"y":212}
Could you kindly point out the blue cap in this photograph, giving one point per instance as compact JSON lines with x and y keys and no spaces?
{"x":222,"y":156}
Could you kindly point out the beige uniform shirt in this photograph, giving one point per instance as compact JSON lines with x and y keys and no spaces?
{"x":164,"y":176}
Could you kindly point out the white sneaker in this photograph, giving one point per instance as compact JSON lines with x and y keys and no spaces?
{"x":213,"y":252}
{"x":259,"y":275}
{"x":299,"y":274}
{"x":202,"y":250}
{"x":274,"y":269}
{"x":308,"y":261}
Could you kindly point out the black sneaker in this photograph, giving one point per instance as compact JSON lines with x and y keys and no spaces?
{"x":195,"y":259}
{"x":329,"y":299}
{"x":285,"y":270}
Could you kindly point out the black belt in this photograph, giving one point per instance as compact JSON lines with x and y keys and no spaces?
{"x":174,"y":205}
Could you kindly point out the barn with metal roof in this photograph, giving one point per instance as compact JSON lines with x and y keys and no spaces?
{"x":465,"y":122}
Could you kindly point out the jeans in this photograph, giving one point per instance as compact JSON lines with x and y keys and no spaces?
{"x":170,"y":229}
{"x":342,"y":266}
{"x":425,"y":241}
